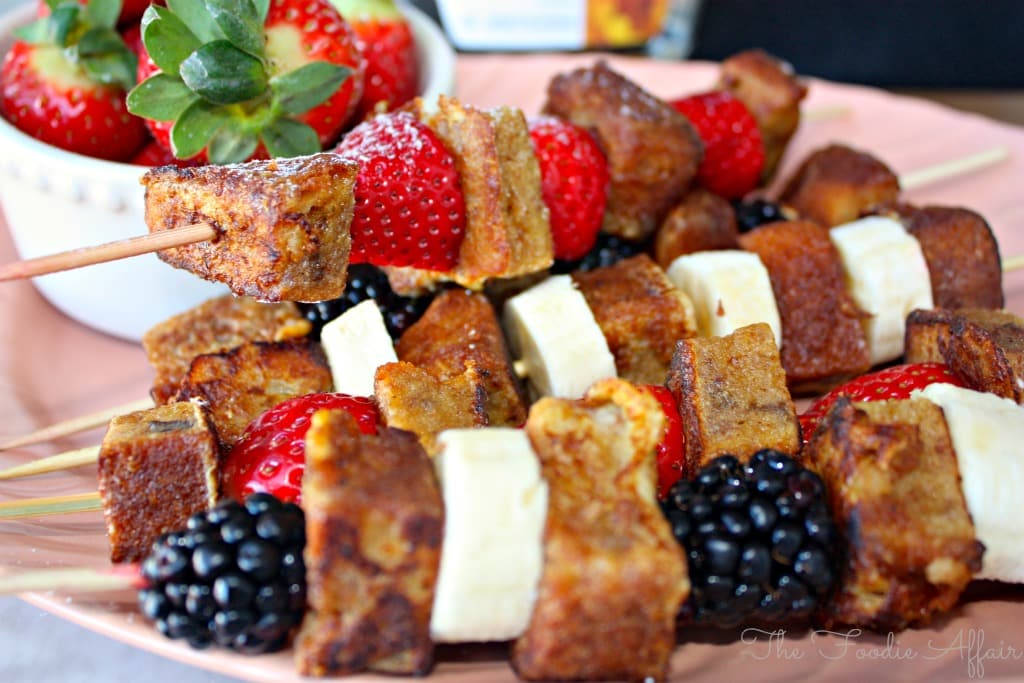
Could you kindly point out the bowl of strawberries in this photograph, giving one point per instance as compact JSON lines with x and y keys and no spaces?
{"x":94,"y":91}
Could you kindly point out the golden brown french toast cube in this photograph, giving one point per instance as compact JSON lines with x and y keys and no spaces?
{"x":837,"y":184}
{"x":215,"y":325}
{"x":894,"y":491}
{"x":702,"y":221}
{"x":156,"y":468}
{"x":772,"y":92}
{"x":508,"y":232}
{"x":460,"y":327}
{"x":417,"y":401}
{"x":924,"y":329}
{"x":986,"y":351}
{"x":609,"y":554}
{"x":652,"y":150}
{"x":241,"y":384}
{"x":732,"y":396}
{"x":823,"y":340}
{"x":641,"y":313}
{"x":282,"y":225}
{"x":374,"y":523}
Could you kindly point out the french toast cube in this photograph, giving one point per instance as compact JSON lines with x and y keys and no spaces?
{"x":701,"y":221}
{"x":156,"y":468}
{"x":459,"y":327}
{"x":652,"y":150}
{"x":838,"y":184}
{"x":216,"y":325}
{"x":241,"y":384}
{"x":641,"y":313}
{"x":418,"y":401}
{"x":925,"y":326}
{"x":772,"y":92}
{"x":894,"y":490}
{"x":609,"y":554}
{"x":732,"y":396}
{"x":374,"y":524}
{"x":282,"y":225}
{"x":987,"y":352}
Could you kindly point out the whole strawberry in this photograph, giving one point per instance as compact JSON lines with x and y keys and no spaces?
{"x":271,"y":455}
{"x":64,"y":81}
{"x":409,"y":208}
{"x":574,"y":183}
{"x":387,"y":43}
{"x":237,"y":79}
{"x":733,"y":147}
{"x":894,"y":383}
{"x":670,"y":448}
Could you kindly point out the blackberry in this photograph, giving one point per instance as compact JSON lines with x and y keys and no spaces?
{"x":234,"y":576}
{"x":368,"y":282}
{"x":607,"y":251}
{"x":759,"y":539}
{"x":751,"y":213}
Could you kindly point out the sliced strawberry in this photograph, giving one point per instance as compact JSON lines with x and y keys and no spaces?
{"x":733,"y":146}
{"x":64,"y":83}
{"x":409,"y":207}
{"x":387,"y":43}
{"x":271,"y":455}
{"x":574,"y":183}
{"x":894,"y":383}
{"x":283,"y":85}
{"x":670,"y":449}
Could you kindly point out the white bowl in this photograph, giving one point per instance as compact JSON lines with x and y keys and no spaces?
{"x":55,"y":200}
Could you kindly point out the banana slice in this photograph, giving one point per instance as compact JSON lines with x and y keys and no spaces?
{"x":987,"y":433}
{"x":730,"y":289}
{"x":887,"y":276}
{"x":357,"y":343}
{"x":554,"y":333}
{"x":492,"y":554}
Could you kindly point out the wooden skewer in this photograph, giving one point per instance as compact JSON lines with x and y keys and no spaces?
{"x":955,"y":167}
{"x":52,"y":505}
{"x":111,"y":251}
{"x":53,"y":463}
{"x":75,"y":425}
{"x":79,"y":579}
{"x":824,"y":113}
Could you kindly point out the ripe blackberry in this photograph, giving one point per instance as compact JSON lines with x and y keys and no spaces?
{"x":759,"y":540}
{"x":607,"y":251}
{"x":234,"y":576}
{"x":368,"y":282}
{"x":751,"y":213}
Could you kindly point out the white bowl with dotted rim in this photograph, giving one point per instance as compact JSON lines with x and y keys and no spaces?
{"x":55,"y":200}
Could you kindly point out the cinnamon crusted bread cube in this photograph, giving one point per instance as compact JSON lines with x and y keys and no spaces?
{"x":216,"y":325}
{"x":652,"y":150}
{"x":894,"y":489}
{"x":641,"y":313}
{"x":460,"y":327}
{"x":614,"y":577}
{"x":241,"y":384}
{"x":732,"y":396}
{"x":156,"y":468}
{"x":374,"y":524}
{"x":420,"y":402}
{"x":702,"y":221}
{"x":838,"y":184}
{"x":282,"y":225}
{"x":823,"y":341}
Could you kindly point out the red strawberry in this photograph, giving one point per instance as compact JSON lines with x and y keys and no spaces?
{"x":574,"y":183}
{"x":271,"y":455}
{"x":409,"y":206}
{"x":284,"y":84}
{"x":670,"y":449}
{"x":893,"y":383}
{"x":155,"y":154}
{"x":64,"y":83}
{"x":733,"y":147}
{"x":387,"y":43}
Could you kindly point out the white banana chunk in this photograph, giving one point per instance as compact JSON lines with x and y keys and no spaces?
{"x":887,"y":276}
{"x":492,"y":554}
{"x":730,"y":289}
{"x":988,"y":436}
{"x":356,"y":344}
{"x":552,"y":330}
